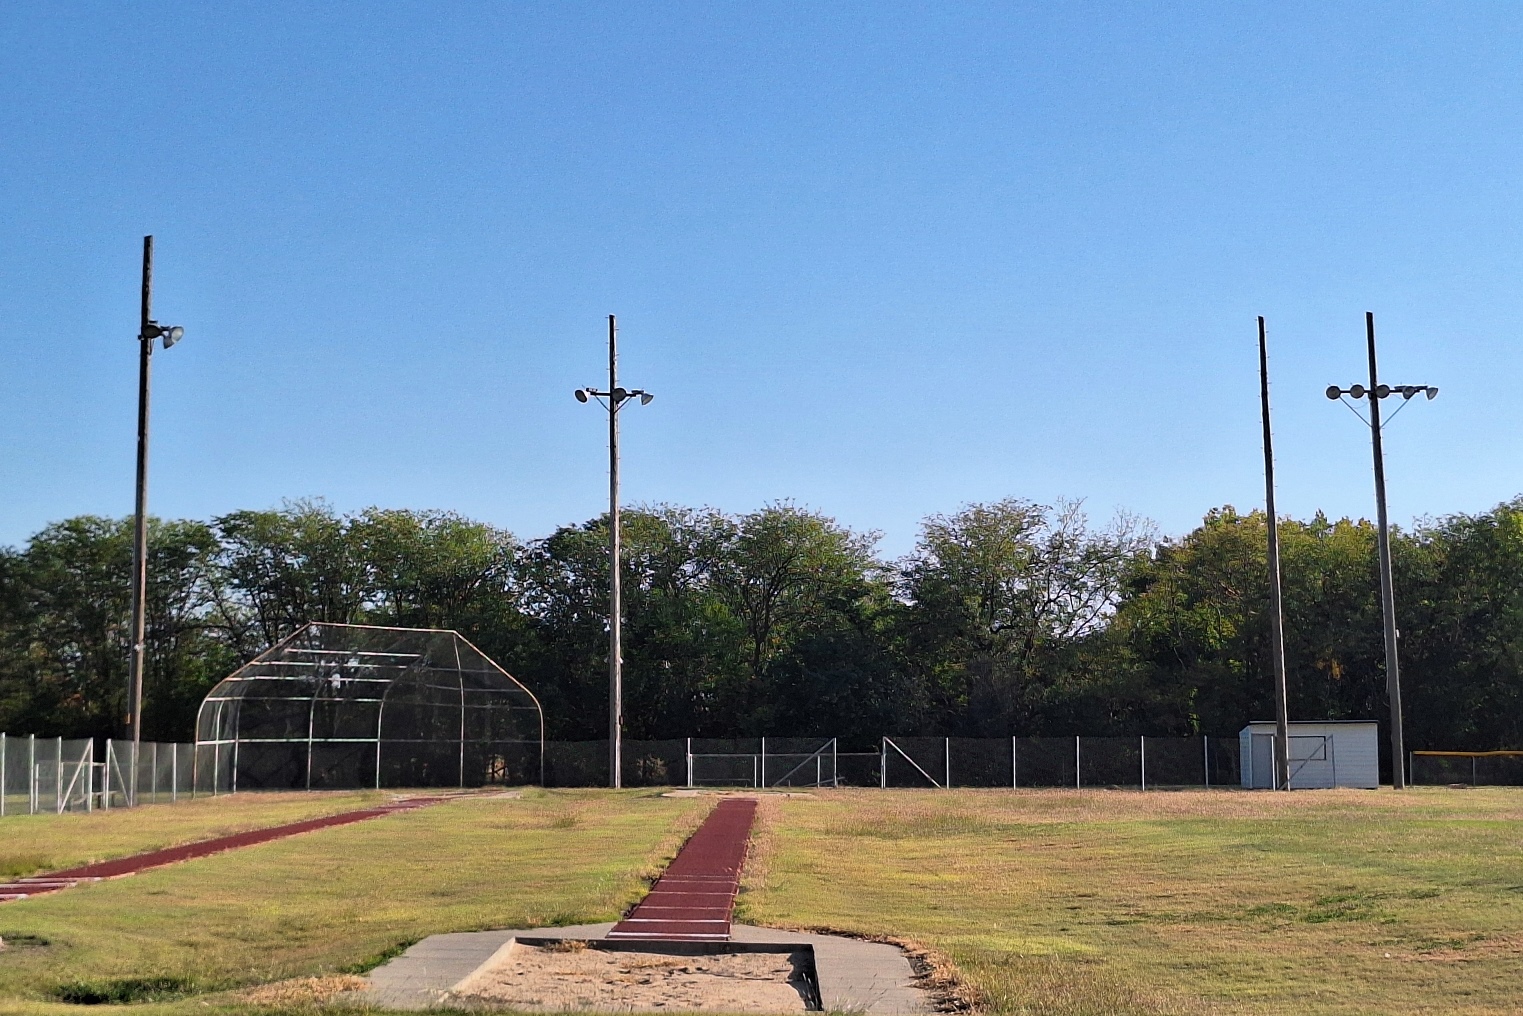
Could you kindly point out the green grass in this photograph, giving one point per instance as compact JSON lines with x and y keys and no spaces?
{"x":1091,"y":902}
{"x":36,"y":843}
{"x":333,"y":901}
{"x":1048,"y":902}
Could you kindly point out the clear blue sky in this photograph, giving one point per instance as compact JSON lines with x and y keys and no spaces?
{"x":883,"y":259}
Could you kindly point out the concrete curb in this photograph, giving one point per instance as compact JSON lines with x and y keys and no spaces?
{"x":869,"y":978}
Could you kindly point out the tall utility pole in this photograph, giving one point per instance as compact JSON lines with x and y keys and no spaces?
{"x":1276,"y":614}
{"x":615,"y":587}
{"x":616,"y":397}
{"x":1387,"y":592}
{"x":148,"y":330}
{"x":140,"y":525}
{"x":1375,"y":393}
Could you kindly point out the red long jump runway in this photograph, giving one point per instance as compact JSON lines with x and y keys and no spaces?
{"x":695,"y":897}
{"x":53,"y":881}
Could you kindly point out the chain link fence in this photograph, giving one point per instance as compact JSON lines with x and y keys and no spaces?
{"x":41,"y":775}
{"x":1120,"y":762}
{"x":53,"y":774}
{"x":1466,"y":768}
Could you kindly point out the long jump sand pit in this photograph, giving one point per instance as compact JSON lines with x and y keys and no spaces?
{"x":556,"y":976}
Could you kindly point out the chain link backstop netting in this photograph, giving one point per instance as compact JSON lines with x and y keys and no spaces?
{"x":341,"y":706}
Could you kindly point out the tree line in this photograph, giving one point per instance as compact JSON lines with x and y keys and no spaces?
{"x":1006,"y":618}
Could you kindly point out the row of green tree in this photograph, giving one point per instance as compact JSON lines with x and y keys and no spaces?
{"x":1007,"y":618}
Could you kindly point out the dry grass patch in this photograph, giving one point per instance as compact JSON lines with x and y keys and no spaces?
{"x":1079,"y":902}
{"x":303,"y":991}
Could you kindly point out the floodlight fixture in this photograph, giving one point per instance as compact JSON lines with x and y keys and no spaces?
{"x":646,"y":397}
{"x":170,"y":334}
{"x":581,"y":394}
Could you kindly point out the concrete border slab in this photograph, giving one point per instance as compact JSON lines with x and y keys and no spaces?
{"x":870,"y":978}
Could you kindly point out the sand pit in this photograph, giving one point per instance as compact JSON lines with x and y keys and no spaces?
{"x":570,"y":976}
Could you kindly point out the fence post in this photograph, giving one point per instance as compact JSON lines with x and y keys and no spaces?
{"x":1144,"y":749}
{"x":174,"y":774}
{"x":835,"y":767}
{"x":1472,"y":770}
{"x":883,"y":764}
{"x":763,"y":781}
{"x":947,"y":770}
{"x":90,"y":776}
{"x":1013,"y":774}
{"x":31,"y":778}
{"x":1205,"y":748}
{"x":1077,"y":782}
{"x":58,"y":779}
{"x":690,"y":763}
{"x":105,"y":779}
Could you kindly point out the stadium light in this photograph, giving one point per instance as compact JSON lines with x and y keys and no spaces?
{"x":616,"y":398}
{"x":1374,"y":393}
{"x":148,"y":330}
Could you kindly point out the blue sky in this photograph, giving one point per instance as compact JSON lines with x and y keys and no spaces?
{"x":882,"y":259}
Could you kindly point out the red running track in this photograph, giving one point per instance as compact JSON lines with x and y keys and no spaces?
{"x":21,"y":888}
{"x":695,"y":897}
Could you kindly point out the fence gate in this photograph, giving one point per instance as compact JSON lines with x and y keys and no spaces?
{"x":763,"y":762}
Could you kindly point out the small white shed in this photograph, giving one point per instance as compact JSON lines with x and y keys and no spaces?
{"x":1323,"y":754}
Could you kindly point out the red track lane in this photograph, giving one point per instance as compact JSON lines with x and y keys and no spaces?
{"x":53,"y":881}
{"x":694,"y":898}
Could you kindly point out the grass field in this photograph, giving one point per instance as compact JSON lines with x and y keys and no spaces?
{"x":36,"y":843}
{"x":335,"y":899}
{"x":1052,"y":902}
{"x":1091,"y":902}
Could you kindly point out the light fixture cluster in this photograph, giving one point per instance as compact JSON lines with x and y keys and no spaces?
{"x":618,"y":395}
{"x":169,"y":333}
{"x":1382,"y":391}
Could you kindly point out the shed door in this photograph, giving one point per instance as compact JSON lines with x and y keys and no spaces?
{"x":1263,"y":762}
{"x":1311,"y":761}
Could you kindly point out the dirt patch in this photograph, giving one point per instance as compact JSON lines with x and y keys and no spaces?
{"x":558,"y":978}
{"x":303,"y":991}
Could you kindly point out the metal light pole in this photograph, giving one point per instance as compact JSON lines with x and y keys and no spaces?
{"x":148,"y":330}
{"x":616,"y":397}
{"x":1276,"y":615}
{"x":1375,"y":393}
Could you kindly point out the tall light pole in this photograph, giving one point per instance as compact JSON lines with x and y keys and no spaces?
{"x":1276,"y":613}
{"x":148,"y":331}
{"x":1375,"y":393}
{"x":615,"y":398}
